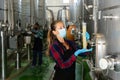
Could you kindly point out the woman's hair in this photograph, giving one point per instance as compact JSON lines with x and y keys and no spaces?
{"x":50,"y":36}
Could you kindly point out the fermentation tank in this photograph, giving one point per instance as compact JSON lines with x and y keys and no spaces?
{"x":1,"y":19}
{"x":0,"y":59}
{"x":64,"y":15}
{"x":1,"y":9}
{"x":75,"y":10}
{"x":109,"y":26}
{"x":102,"y":18}
{"x":82,"y":11}
{"x":49,"y":18}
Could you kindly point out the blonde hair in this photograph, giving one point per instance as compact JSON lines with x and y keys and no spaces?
{"x":50,"y":36}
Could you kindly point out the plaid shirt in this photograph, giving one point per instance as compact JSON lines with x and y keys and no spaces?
{"x":57,"y":52}
{"x":38,"y":33}
{"x":38,"y":36}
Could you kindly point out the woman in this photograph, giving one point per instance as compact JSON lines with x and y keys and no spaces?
{"x":63,"y":52}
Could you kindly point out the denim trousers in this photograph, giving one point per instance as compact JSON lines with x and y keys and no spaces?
{"x":37,"y":58}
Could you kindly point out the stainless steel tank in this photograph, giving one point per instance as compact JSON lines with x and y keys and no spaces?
{"x":109,"y":26}
{"x":49,"y":18}
{"x":75,"y":10}
{"x":82,"y":11}
{"x":1,"y":9}
{"x":64,"y":15}
{"x":0,"y":59}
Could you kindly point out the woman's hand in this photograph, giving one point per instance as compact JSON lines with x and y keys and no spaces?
{"x":79,"y":51}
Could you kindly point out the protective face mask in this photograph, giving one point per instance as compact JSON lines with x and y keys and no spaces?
{"x":62,"y":32}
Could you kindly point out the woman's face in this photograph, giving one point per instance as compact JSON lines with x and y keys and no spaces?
{"x":59,"y":26}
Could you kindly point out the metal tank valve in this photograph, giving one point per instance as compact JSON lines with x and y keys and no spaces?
{"x":109,"y":62}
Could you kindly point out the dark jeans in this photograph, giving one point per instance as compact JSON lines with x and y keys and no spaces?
{"x":37,"y":55}
{"x":65,"y":74}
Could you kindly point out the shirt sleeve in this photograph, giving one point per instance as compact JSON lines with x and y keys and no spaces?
{"x":55,"y":53}
{"x":38,"y":34}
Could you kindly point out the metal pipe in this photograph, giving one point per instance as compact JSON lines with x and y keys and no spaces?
{"x":109,"y":8}
{"x":49,"y":17}
{"x":32,"y":12}
{"x":3,"y":56}
{"x":5,"y":10}
{"x":57,"y":6}
{"x":44,"y":13}
{"x":83,"y":9}
{"x":28,"y":52}
{"x":36,"y":9}
{"x":11,"y":16}
{"x":18,"y":61}
{"x":95,"y":11}
{"x":20,"y":8}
